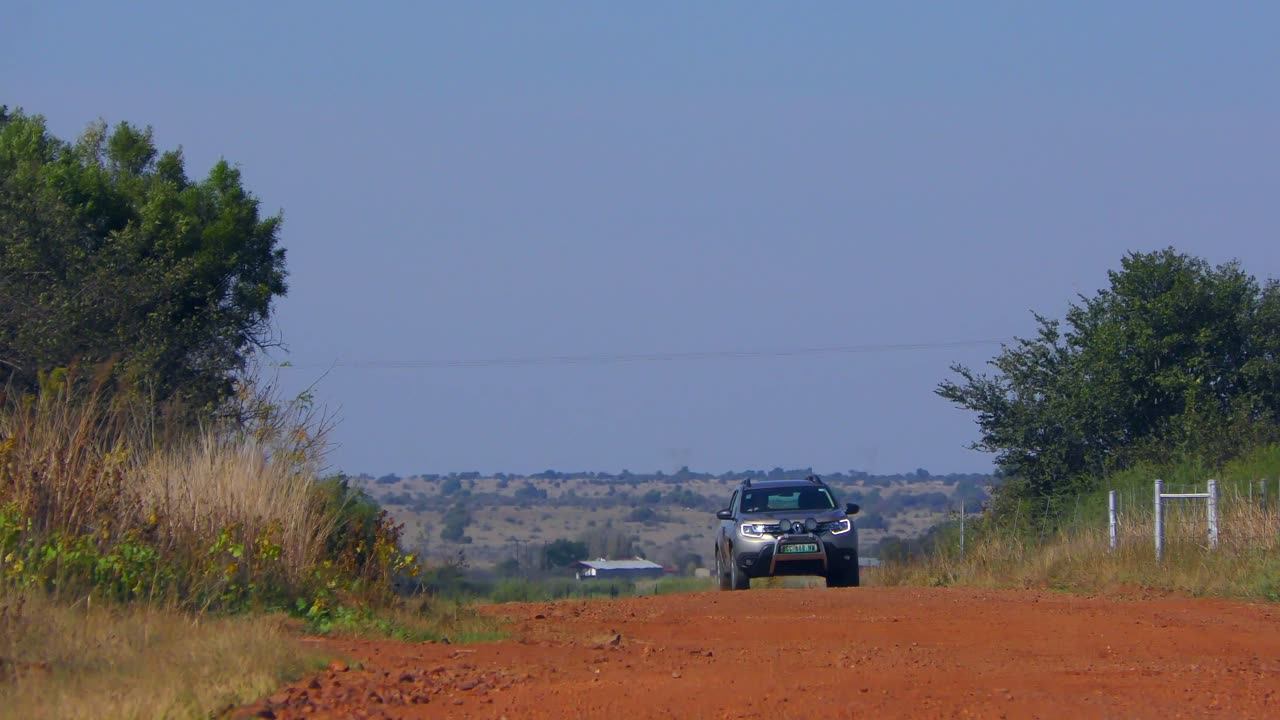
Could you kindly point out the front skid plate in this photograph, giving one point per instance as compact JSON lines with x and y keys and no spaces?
{"x":821,"y":554}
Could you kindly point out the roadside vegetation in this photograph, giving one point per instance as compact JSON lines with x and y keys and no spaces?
{"x":1074,"y":553}
{"x":166,"y":529}
{"x":81,"y":660}
{"x":1172,"y":372}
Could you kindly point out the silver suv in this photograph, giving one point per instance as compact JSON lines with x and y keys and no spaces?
{"x":786,"y":527}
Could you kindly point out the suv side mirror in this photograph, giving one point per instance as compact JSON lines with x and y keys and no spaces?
{"x":851,"y":509}
{"x":724,"y":515}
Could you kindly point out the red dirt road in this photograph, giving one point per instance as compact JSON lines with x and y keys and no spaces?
{"x":866,"y":652}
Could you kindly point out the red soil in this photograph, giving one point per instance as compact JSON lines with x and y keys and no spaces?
{"x":866,"y":652}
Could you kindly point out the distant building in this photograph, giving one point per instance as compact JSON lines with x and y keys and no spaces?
{"x":618,"y":570}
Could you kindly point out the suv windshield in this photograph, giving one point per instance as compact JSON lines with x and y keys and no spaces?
{"x":757,"y":500}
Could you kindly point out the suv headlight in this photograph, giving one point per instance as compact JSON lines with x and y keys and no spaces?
{"x":752,"y":530}
{"x":842,"y":527}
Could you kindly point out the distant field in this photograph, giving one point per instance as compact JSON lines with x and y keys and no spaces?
{"x":668,"y":521}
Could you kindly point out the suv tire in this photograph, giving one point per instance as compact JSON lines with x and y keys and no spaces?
{"x":722,"y":573}
{"x":737,"y":579}
{"x":844,"y":578}
{"x":731,"y":578}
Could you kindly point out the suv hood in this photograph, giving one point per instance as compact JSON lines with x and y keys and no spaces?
{"x":773,"y":517}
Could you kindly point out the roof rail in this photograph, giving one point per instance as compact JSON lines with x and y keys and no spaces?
{"x":814,"y":479}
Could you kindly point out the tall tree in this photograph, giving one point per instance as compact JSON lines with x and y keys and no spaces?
{"x":1173,"y":356}
{"x":108,"y":251}
{"x":562,"y":552}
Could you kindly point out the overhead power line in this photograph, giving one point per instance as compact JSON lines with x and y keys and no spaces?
{"x":609,"y":359}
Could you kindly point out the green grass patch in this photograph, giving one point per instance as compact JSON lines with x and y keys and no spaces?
{"x":413,"y":620}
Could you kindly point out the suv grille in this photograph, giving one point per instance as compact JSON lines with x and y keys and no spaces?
{"x":795,"y":526}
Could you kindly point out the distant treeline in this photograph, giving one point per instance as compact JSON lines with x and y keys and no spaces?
{"x":651,"y":498}
{"x":684,"y":474}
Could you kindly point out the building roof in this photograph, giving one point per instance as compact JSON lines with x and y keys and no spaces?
{"x":619,"y":564}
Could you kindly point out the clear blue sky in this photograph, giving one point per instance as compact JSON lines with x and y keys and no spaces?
{"x":476,"y":181}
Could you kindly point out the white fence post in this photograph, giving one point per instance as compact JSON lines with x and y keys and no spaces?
{"x":1159,"y":523}
{"x":1210,"y":496}
{"x":961,"y":529}
{"x":1212,"y":503}
{"x":1113,"y":519}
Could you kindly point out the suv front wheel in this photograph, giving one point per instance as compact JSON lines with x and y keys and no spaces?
{"x":731,"y":578}
{"x":843,"y":578}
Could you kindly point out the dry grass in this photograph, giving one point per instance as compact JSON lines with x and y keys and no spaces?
{"x":1245,"y":563}
{"x":116,"y":536}
{"x":63,"y":462}
{"x":224,"y":507}
{"x":78,"y":661}
{"x":199,"y":488}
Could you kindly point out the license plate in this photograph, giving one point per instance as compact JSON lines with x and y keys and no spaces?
{"x":799,"y":548}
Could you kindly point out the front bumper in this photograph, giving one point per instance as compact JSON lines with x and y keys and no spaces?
{"x":765,"y":558}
